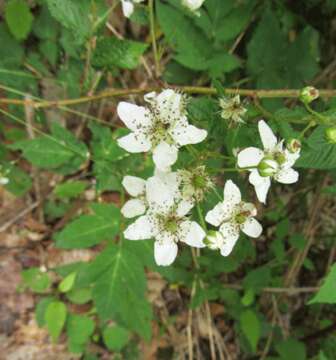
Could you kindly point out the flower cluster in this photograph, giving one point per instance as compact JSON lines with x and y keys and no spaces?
{"x":162,"y":203}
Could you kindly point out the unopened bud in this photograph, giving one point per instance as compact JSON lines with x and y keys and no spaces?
{"x":308,"y":94}
{"x":268,"y":167}
{"x":330,"y":134}
{"x":213,"y":240}
{"x":294,"y":145}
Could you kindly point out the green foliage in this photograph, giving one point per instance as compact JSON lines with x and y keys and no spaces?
{"x":327,"y":293}
{"x":250,"y":326}
{"x":90,"y":230}
{"x":115,"y":337}
{"x":55,"y":317}
{"x":79,"y":329}
{"x":112,"y":52}
{"x":19,"y":18}
{"x":291,"y":349}
{"x":36,"y":280}
{"x":70,"y":190}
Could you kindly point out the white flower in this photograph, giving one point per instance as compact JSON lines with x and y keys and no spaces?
{"x":3,"y":179}
{"x":232,"y":109}
{"x":166,"y":222}
{"x":128,"y":6}
{"x":161,"y":127}
{"x":274,"y":162}
{"x":192,"y":5}
{"x":232,"y":216}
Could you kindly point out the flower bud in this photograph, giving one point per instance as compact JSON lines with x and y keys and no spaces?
{"x":268,"y":167}
{"x":4,"y":180}
{"x":330,"y":134}
{"x":213,"y":240}
{"x":293,"y":145}
{"x":308,"y":94}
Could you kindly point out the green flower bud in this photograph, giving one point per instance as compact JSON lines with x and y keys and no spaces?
{"x":268,"y":167}
{"x":293,"y":145}
{"x":330,"y":134}
{"x":213,"y":239}
{"x":308,"y":94}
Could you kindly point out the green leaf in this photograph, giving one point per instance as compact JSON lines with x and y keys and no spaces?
{"x":291,"y":349}
{"x":36,"y":280}
{"x":73,"y":15}
{"x":19,"y":182}
{"x":79,"y":328}
{"x":55,"y":316}
{"x":89,"y":230}
{"x":11,"y":52}
{"x":112,"y":52}
{"x":70,"y":189}
{"x":67,"y":283}
{"x":119,"y":291}
{"x":318,"y":153}
{"x":115,"y":337}
{"x":250,"y":326}
{"x":327,"y":292}
{"x":19,"y":18}
{"x":41,"y":308}
{"x":80,"y":296}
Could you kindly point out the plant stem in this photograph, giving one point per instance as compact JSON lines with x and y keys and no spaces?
{"x":283,"y":93}
{"x":153,"y":37}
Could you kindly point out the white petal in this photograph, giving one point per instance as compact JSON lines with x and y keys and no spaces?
{"x":134,"y":185}
{"x":134,"y":143}
{"x":221,"y":212}
{"x":291,"y":158}
{"x":230,"y":233}
{"x":165,"y":252}
{"x":267,"y":136}
{"x":4,"y":181}
{"x":143,"y":228}
{"x":183,"y":207}
{"x":165,"y":155}
{"x":133,"y":116}
{"x":160,"y":196}
{"x":133,"y":207}
{"x":169,"y":103}
{"x":185,"y":134}
{"x":287,"y":176}
{"x":194,"y":234}
{"x":127,"y":8}
{"x":231,"y":192}
{"x":250,"y":156}
{"x":261,"y":185}
{"x":251,"y":227}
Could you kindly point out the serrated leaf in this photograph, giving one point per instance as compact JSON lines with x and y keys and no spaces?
{"x":250,"y":326}
{"x":69,"y":189}
{"x":19,"y":18}
{"x":318,"y":153}
{"x":112,"y":52}
{"x":327,"y":292}
{"x":55,"y":317}
{"x":88,"y":230}
{"x":120,"y":291}
{"x":73,"y":15}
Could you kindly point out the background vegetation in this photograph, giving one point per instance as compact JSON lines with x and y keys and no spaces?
{"x":64,"y":65}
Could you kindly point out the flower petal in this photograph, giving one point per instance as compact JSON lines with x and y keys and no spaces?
{"x":267,"y":136}
{"x":127,"y":8}
{"x":230,"y":233}
{"x":261,"y":185}
{"x":194,"y":234}
{"x":183,"y":207}
{"x":250,"y":156}
{"x":231,"y":193}
{"x":134,"y":185}
{"x":252,"y":227}
{"x":134,"y":143}
{"x":221,"y":212}
{"x":165,"y":252}
{"x":165,"y":155}
{"x":133,"y":207}
{"x":160,"y":195}
{"x":185,"y":134}
{"x":143,"y":228}
{"x":134,"y":116}
{"x":287,"y":176}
